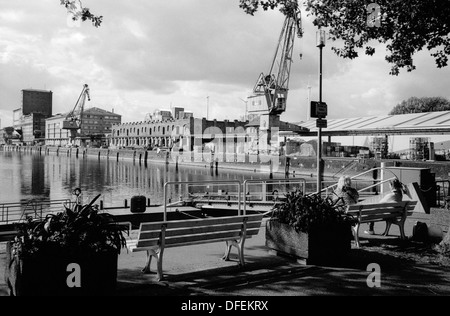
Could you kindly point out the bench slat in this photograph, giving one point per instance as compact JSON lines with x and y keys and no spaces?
{"x":196,"y":230}
{"x":182,"y":240}
{"x":364,"y":207}
{"x":189,"y":238}
{"x":376,"y":218}
{"x":396,"y":210}
{"x":136,"y":249}
{"x":200,"y":222}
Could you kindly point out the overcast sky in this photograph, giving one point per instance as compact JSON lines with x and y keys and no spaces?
{"x":156,"y":54}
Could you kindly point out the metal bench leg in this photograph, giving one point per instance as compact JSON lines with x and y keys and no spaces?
{"x":241,"y":252}
{"x":229,"y":244}
{"x":240,"y":248}
{"x":150,"y":253}
{"x":159,"y":266}
{"x":388,"y":226}
{"x":158,"y":254}
{"x":401,"y":225}
{"x":355,"y":230}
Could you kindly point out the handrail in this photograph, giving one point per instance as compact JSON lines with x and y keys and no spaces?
{"x":202,"y":183}
{"x":15,"y":211}
{"x":271,"y":181}
{"x":363,"y":173}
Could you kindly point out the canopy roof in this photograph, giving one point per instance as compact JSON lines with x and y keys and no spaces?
{"x":431,"y":123}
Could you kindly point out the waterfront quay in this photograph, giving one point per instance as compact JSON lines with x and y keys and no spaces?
{"x":197,"y":271}
{"x":285,"y":165}
{"x":407,"y":268}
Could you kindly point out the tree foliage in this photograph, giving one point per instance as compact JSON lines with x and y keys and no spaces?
{"x":406,"y":27}
{"x":78,"y":11}
{"x":421,"y":105}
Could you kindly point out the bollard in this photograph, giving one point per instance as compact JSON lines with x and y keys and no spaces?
{"x":117,"y":158}
{"x":126,"y":203}
{"x":148,"y":202}
{"x":271,"y":169}
{"x":101,"y":204}
{"x":99,"y":155}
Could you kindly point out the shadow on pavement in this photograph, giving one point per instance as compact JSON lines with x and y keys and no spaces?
{"x":283,"y":276}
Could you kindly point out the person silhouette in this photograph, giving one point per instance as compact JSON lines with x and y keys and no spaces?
{"x":396,"y":195}
{"x":345,"y":194}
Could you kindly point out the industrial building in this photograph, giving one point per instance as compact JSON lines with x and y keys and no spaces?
{"x":95,"y":129}
{"x":29,"y":120}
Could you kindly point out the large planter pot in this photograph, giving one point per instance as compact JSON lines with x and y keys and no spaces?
{"x":440,"y":217}
{"x":51,"y":275}
{"x":324,"y":244}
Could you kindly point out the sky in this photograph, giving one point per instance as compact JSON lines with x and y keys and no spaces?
{"x":203,"y":55}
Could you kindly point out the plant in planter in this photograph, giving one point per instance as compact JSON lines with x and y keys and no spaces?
{"x":73,"y":252}
{"x":310,"y":227}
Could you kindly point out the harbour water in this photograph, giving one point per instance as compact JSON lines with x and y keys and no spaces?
{"x":26,"y":176}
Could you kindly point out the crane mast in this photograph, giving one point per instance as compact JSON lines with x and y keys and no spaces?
{"x":271,"y":89}
{"x":73,"y":120}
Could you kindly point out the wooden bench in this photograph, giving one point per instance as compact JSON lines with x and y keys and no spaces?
{"x":154,"y":237}
{"x":391,"y":213}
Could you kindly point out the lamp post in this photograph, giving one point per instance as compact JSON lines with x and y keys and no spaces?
{"x":320,"y":38}
{"x":207,"y":107}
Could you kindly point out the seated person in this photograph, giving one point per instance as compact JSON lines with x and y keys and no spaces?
{"x":396,"y":195}
{"x":345,"y":194}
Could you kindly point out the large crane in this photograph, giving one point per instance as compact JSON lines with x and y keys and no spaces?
{"x":73,"y":120}
{"x":271,"y":90}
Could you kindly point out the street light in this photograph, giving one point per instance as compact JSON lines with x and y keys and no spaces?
{"x":207,"y":108}
{"x":320,"y":42}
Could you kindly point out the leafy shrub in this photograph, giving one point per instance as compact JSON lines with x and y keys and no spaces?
{"x":79,"y":231}
{"x":305,"y":211}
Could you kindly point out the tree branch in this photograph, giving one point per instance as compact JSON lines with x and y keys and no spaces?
{"x":78,"y":11}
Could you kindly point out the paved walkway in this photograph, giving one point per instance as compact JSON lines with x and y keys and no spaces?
{"x":198,"y":270}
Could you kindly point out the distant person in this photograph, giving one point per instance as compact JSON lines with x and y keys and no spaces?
{"x":78,"y":199}
{"x":396,"y":195}
{"x":345,"y":194}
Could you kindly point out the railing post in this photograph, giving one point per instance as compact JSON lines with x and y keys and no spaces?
{"x":382,"y":167}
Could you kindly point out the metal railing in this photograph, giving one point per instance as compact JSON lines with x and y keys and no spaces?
{"x":265,"y":183}
{"x":15,"y":212}
{"x":378,"y":182}
{"x":202,"y":183}
{"x":443,"y":191}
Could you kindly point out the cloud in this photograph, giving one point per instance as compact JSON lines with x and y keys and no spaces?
{"x":154,"y":54}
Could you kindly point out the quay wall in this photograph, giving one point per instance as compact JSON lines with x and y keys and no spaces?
{"x":302,"y":166}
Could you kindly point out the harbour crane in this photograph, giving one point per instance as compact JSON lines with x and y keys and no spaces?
{"x":73,"y":120}
{"x":271,"y":89}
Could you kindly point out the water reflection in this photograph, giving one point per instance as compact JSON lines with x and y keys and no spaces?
{"x":26,"y":176}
